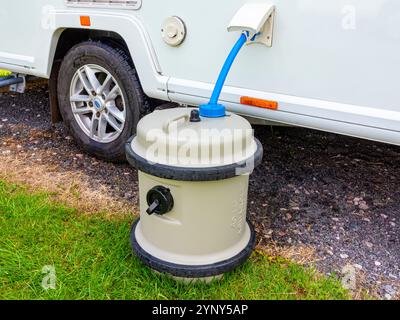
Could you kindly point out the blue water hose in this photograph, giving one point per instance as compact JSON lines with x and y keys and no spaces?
{"x":213,"y":109}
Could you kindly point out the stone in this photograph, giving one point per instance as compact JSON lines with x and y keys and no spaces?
{"x":363,"y":205}
{"x":369,"y":244}
{"x":390,"y":290}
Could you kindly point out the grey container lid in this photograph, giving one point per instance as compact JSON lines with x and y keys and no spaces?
{"x":168,"y":145}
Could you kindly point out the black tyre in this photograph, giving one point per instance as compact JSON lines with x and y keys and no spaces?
{"x":100,"y":98}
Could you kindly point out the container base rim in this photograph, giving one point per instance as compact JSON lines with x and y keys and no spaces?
{"x":193,"y":271}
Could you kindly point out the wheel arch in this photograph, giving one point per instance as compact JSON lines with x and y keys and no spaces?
{"x":71,"y":36}
{"x":122,"y":30}
{"x":67,"y":40}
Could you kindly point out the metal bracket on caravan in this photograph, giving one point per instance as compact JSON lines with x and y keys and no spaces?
{"x":258,"y":20}
{"x":20,"y":86}
{"x":16,"y":82}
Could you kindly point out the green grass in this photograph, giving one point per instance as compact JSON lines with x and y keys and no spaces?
{"x":93,"y":260}
{"x":4,"y":73}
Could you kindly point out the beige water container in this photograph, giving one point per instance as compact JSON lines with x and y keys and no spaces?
{"x":193,"y":182}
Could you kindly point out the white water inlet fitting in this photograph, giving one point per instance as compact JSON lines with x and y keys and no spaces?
{"x":257,"y":19}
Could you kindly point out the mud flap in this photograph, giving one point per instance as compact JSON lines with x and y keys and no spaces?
{"x":54,"y":108}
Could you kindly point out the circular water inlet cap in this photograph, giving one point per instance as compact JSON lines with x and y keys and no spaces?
{"x":173,"y":31}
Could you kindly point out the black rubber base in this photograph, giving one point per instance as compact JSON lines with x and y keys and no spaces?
{"x":193,"y":272}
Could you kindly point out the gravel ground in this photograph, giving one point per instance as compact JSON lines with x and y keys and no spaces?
{"x":334,"y":195}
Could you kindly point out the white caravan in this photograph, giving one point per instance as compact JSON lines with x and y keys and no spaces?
{"x":331,"y":65}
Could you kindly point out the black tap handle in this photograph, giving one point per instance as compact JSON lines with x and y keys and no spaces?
{"x":153,"y":207}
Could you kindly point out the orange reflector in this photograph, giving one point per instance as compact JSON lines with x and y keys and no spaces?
{"x":85,"y":21}
{"x":266,"y":104}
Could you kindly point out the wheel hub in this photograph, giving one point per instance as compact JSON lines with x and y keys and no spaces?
{"x":98,"y":104}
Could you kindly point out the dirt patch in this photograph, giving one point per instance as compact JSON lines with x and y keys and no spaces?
{"x":67,"y":187}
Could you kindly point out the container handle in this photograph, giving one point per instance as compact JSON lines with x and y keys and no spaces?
{"x":168,"y":123}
